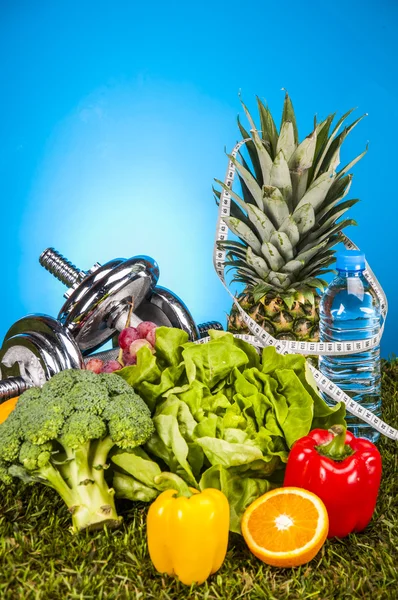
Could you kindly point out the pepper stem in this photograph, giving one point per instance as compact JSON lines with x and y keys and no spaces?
{"x":170,"y":481}
{"x":336,"y":449}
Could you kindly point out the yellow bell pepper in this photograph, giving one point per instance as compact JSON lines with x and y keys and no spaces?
{"x":188,"y":536}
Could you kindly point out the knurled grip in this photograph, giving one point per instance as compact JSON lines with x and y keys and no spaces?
{"x":14,"y":386}
{"x":60,"y":267}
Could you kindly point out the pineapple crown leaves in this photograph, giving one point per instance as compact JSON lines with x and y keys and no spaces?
{"x":293,"y":199}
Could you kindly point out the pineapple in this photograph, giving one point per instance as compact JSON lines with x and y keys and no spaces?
{"x":287,"y":221}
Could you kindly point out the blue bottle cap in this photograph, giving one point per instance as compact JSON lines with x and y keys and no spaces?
{"x":350,"y":260}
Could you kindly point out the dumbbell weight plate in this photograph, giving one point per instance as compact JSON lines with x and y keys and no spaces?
{"x":37,"y":347}
{"x":166,"y":308}
{"x":163,"y":307}
{"x":90,"y":313}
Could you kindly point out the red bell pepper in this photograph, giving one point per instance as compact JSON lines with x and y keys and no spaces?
{"x":344,"y":471}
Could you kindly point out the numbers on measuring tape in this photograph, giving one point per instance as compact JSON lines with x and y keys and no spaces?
{"x":261,"y":338}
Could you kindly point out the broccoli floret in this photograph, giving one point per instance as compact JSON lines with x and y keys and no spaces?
{"x":115,"y":385}
{"x":120,"y":412}
{"x":81,"y":428}
{"x":5,"y":477}
{"x":33,"y":457}
{"x":10,"y":438}
{"x":41,"y":420}
{"x":62,"y":435}
{"x":86,"y":389}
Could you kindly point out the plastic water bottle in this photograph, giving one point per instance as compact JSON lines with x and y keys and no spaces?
{"x":350,"y":310}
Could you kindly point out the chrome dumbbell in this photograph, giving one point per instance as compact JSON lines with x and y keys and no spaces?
{"x":98,"y":301}
{"x":34,"y":349}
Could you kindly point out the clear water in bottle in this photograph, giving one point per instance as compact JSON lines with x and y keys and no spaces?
{"x":350,"y":310}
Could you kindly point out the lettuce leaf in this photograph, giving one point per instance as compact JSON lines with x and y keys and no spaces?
{"x":225,"y":416}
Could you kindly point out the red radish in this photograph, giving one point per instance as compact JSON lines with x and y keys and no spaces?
{"x":145,"y":327}
{"x":151,"y":336}
{"x":95,"y":365}
{"x":127,"y":337}
{"x":110,"y":366}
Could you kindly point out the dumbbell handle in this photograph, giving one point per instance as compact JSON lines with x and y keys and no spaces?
{"x":14,"y":386}
{"x":69,"y":275}
{"x":204,"y":328}
{"x":61,"y":267}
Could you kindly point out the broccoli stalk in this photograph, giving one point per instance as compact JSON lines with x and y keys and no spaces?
{"x":90,"y":500}
{"x":62,"y":436}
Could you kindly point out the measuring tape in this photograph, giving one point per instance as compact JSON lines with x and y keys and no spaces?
{"x":262,"y":338}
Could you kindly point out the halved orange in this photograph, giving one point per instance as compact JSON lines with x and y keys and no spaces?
{"x":286,"y":527}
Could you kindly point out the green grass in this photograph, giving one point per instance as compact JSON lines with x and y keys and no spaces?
{"x":40,"y":559}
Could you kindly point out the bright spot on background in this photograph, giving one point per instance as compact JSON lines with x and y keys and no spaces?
{"x":130,"y":172}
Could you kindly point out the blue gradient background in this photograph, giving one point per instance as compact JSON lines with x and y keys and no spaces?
{"x":115,"y":117}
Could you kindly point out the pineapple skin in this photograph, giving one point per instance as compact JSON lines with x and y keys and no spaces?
{"x":299,"y":323}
